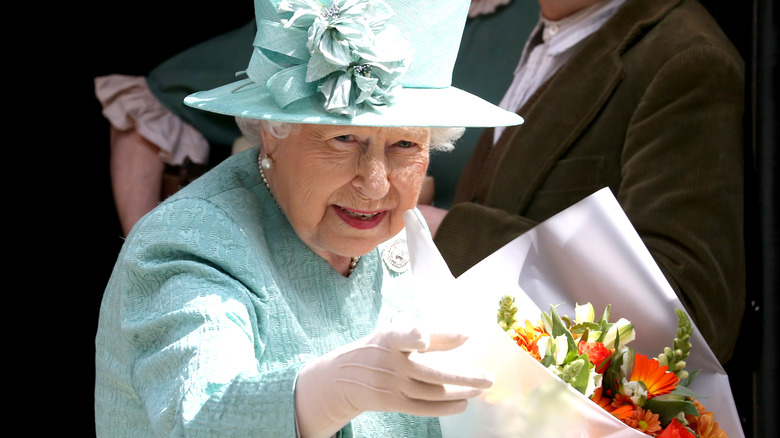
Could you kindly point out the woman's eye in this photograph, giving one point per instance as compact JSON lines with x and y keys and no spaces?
{"x":345,"y":138}
{"x":405,"y":144}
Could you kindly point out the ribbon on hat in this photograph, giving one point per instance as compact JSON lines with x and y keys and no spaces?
{"x":285,"y":75}
{"x":346,"y":51}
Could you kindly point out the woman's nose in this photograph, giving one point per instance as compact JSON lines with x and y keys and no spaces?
{"x":372,"y":179}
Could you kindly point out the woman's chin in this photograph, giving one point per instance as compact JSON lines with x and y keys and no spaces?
{"x":357,"y":247}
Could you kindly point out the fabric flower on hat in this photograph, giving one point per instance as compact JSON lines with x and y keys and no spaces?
{"x":485,"y":7}
{"x":356,"y":54}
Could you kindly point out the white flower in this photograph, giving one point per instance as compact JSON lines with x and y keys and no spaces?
{"x":634,"y":390}
{"x":594,"y":381}
{"x":584,"y":313}
{"x":623,"y":327}
{"x":558,"y":347}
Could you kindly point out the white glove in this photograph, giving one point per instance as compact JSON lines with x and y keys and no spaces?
{"x":382,"y":372}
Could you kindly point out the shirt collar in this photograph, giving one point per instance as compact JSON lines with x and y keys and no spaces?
{"x":561,"y":35}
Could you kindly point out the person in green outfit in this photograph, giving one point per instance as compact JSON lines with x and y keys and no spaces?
{"x":272,"y":296}
{"x":158,"y":144}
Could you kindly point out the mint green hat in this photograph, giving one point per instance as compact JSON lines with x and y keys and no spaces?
{"x":355,"y":62}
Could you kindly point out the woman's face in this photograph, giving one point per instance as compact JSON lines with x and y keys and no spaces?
{"x":345,"y":189}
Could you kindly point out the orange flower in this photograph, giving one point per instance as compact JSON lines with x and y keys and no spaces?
{"x":528,"y":336}
{"x":704,"y":424}
{"x":622,"y":407}
{"x":619,"y":410}
{"x":623,"y":412}
{"x":621,"y":400}
{"x":694,"y":419}
{"x":598,"y":398}
{"x":655,"y":377}
{"x":643,"y":421}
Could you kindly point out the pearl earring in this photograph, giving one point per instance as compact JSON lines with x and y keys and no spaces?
{"x":267,"y":162}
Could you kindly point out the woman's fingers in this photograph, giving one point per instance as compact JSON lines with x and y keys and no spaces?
{"x":441,"y":370}
{"x":445,"y":340}
{"x":414,"y":337}
{"x":431,"y":409}
{"x":406,"y":339}
{"x":424,"y":391}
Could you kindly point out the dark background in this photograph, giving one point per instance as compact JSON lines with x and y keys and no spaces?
{"x":69,"y":234}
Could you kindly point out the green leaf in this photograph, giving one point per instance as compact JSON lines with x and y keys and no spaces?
{"x":685,"y":392}
{"x":580,"y":381}
{"x":612,"y":375}
{"x":559,"y":328}
{"x":688,"y":380}
{"x":548,"y":324}
{"x":604,"y":327}
{"x":605,"y":316}
{"x":585,"y":334}
{"x":571,"y":356}
{"x":583,"y":326}
{"x":667,"y":406}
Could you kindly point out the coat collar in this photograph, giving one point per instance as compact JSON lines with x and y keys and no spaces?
{"x":585,"y":84}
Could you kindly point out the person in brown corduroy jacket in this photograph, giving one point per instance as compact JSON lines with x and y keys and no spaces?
{"x":651,"y":106}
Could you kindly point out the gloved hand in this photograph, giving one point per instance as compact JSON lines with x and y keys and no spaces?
{"x":382,"y":372}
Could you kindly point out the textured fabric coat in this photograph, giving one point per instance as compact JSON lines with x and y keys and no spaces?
{"x":650,"y":106}
{"x":214,"y":306}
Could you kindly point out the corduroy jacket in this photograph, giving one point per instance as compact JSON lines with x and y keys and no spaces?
{"x":651,"y":106}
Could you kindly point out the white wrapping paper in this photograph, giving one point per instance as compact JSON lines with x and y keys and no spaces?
{"x":588,"y":253}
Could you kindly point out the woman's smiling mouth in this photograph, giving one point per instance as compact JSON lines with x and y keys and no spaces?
{"x":359,"y":219}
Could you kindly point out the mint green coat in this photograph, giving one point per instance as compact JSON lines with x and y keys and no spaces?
{"x":215,"y":304}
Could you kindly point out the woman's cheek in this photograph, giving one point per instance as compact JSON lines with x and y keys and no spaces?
{"x":410,"y":180}
{"x":418,"y":170}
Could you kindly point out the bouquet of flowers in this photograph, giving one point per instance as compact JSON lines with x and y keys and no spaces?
{"x":649,"y":395}
{"x":587,"y":382}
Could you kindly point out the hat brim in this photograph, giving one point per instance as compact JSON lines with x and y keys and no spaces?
{"x":424,"y":107}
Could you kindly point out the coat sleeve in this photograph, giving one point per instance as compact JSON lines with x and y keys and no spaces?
{"x":194,"y":317}
{"x":682,"y":186}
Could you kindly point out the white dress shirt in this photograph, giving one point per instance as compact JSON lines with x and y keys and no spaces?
{"x":552,"y":44}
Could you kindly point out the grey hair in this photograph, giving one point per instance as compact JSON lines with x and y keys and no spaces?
{"x":442,"y":139}
{"x":252,"y":128}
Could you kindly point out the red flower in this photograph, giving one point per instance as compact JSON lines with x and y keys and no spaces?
{"x":675,"y":430}
{"x":597,"y":353}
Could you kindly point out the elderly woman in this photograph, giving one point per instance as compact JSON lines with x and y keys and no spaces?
{"x":272,"y":296}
